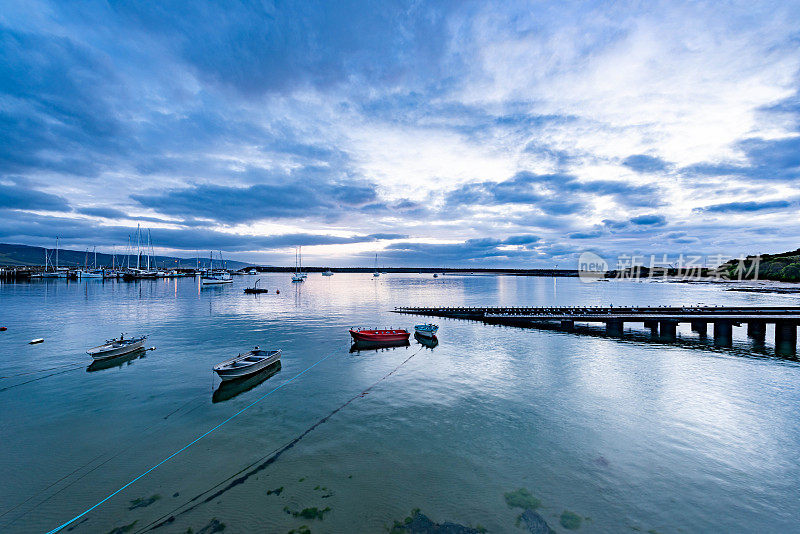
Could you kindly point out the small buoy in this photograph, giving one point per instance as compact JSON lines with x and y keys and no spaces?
{"x":35,"y":341}
{"x":278,"y":291}
{"x":3,"y":328}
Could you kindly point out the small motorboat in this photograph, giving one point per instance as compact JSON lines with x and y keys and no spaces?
{"x":36,"y":341}
{"x":246,"y":364}
{"x":426,"y":330}
{"x":389,"y":335}
{"x":327,"y":272}
{"x":116,"y":347}
{"x":255,"y":288}
{"x":216,"y":278}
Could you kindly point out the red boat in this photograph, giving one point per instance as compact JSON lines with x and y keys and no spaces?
{"x":378,"y":336}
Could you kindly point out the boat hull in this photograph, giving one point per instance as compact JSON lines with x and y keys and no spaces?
{"x":380,"y":336}
{"x":98,"y":353}
{"x":425,"y":330}
{"x":425,"y":333}
{"x":214,"y":282}
{"x":232,"y":373}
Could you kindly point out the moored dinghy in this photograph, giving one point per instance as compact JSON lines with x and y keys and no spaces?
{"x":116,"y":347}
{"x":426,"y":330}
{"x":247,"y":364}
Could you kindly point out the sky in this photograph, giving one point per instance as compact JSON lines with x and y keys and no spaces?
{"x":485,"y":134}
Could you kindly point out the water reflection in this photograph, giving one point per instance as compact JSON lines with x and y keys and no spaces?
{"x":430,"y":342}
{"x":359,"y":346}
{"x":119,"y":361}
{"x":231,"y":388}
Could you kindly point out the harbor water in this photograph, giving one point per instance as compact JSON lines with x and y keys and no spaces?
{"x":607,"y":434}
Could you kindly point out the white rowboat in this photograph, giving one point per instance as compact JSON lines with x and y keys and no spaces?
{"x":247,"y":364}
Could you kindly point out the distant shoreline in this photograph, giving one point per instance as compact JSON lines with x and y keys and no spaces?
{"x":424,"y":270}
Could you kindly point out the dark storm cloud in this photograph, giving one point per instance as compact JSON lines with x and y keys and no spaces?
{"x":258,"y":48}
{"x":776,"y":160}
{"x":547,"y":193}
{"x":106,"y":213}
{"x":18,"y":197}
{"x":644,"y":163}
{"x":30,"y":228}
{"x":649,"y":220}
{"x":471,"y":250}
{"x":293,"y":198}
{"x":747,"y":207}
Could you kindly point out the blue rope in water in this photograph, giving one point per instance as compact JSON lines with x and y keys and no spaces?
{"x":298,"y":375}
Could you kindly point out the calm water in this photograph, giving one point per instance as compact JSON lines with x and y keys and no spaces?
{"x":630,"y":434}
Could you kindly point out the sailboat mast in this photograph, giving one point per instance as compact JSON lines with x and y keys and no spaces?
{"x":138,"y":247}
{"x":56,"y":253}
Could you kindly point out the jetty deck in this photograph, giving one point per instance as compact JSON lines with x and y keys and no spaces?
{"x":661,"y":320}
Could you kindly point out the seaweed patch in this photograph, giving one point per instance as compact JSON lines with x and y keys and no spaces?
{"x":143,"y":503}
{"x":308,"y":513}
{"x":570,"y":520}
{"x":522,"y":498}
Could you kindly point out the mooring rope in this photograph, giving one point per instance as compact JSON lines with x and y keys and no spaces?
{"x":262,"y":462}
{"x":295,"y":377}
{"x":78,"y":366}
{"x":90,"y":462}
{"x":74,"y":364}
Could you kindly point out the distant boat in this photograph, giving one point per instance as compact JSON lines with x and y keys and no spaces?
{"x":327,"y":272}
{"x":297,"y":276}
{"x":92,"y":273}
{"x":56,"y":272}
{"x":426,"y":330}
{"x":388,"y":335}
{"x":435,"y":275}
{"x":247,"y":364}
{"x":377,"y":273}
{"x":252,"y":271}
{"x":255,"y":288}
{"x":218,"y":277}
{"x":116,"y":347}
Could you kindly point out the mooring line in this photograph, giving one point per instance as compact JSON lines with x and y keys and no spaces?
{"x":41,"y":378}
{"x":90,"y":462}
{"x":298,"y":375}
{"x":43,"y":370}
{"x":263,"y":462}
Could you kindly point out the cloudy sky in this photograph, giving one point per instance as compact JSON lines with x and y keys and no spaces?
{"x":432,"y":133}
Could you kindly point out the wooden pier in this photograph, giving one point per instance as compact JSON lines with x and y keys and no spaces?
{"x":661,"y":321}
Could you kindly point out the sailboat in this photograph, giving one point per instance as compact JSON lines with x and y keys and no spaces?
{"x":327,"y":272}
{"x":218,"y":277}
{"x":139,"y":273}
{"x":304,"y":275}
{"x":377,"y":273}
{"x":297,"y":276}
{"x":91,"y":273}
{"x":56,"y":272}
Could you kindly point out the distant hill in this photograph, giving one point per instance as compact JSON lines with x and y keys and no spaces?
{"x":783,"y":267}
{"x":17,"y":255}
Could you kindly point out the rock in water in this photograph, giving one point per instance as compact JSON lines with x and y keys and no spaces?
{"x":535,"y":523}
{"x":421,"y":524}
